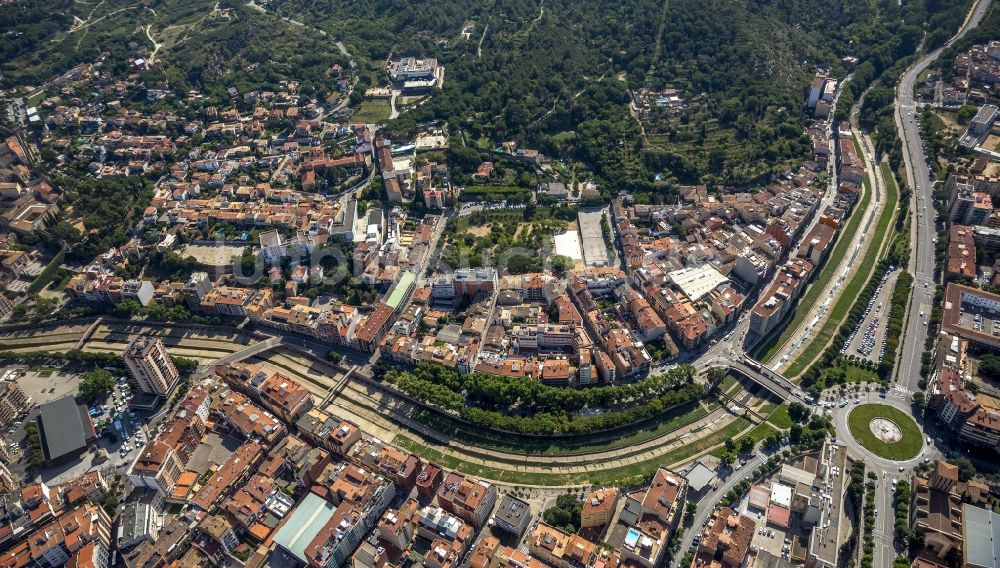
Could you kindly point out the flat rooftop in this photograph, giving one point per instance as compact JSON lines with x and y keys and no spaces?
{"x":961,"y":304}
{"x":304,"y":524}
{"x":826,"y":537}
{"x":981,"y":531}
{"x":697,"y":282}
{"x":62,"y":428}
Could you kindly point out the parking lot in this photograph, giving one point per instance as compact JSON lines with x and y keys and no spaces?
{"x":979,"y":320}
{"x":867,"y":341}
{"x":121,"y":433}
{"x":48,"y":385}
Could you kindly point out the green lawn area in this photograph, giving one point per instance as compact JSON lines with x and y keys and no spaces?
{"x":35,"y":99}
{"x":728,"y":383}
{"x":372,"y":111}
{"x":767,"y":408}
{"x":852,"y":373}
{"x":780,"y":417}
{"x":769,"y":347}
{"x":757,"y":434}
{"x":907,"y":447}
{"x":603,"y":477}
{"x":850,"y":292}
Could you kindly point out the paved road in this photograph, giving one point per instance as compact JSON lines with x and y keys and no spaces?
{"x":707,"y":503}
{"x":886,"y":469}
{"x":922,"y":267}
{"x":923,"y":231}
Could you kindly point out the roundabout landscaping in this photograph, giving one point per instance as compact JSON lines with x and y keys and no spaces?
{"x":885,"y":431}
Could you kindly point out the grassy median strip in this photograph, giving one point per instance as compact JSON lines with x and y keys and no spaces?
{"x":850,"y":292}
{"x":830,"y":269}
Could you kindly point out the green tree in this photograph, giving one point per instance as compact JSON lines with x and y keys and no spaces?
{"x":798,"y":412}
{"x":33,"y":444}
{"x":715,"y":376}
{"x":966,"y":470}
{"x":989,"y":366}
{"x":96,"y":385}
{"x":561,"y":264}
{"x":183,"y":364}
{"x":690,"y":510}
{"x":565,"y":514}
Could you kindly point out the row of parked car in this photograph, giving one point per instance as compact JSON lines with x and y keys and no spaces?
{"x":869,"y":340}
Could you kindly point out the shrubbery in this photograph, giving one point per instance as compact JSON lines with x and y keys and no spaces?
{"x":526,"y":406}
{"x":897,"y":311}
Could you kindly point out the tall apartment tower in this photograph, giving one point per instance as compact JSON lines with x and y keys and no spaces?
{"x":150,"y":365}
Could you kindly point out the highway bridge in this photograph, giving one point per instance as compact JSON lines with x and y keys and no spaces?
{"x":771,"y":380}
{"x":247,"y":352}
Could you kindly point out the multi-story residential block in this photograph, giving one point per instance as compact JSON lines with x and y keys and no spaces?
{"x":470,"y":282}
{"x":599,"y":508}
{"x":157,"y":467}
{"x":228,"y":301}
{"x":469,"y":499}
{"x":139,"y":523}
{"x":172,"y":543}
{"x":726,"y":541}
{"x":653,"y":514}
{"x":13,"y":403}
{"x":237,"y":411}
{"x":234,"y":471}
{"x":961,"y":253}
{"x":936,"y":510}
{"x":513,"y":515}
{"x":325,"y":532}
{"x":148,"y":361}
{"x":967,"y":205}
{"x":449,"y":535}
{"x":776,"y":302}
{"x":82,"y":533}
{"x":197,"y":287}
{"x":257,"y":504}
{"x":429,"y":480}
{"x":216,"y":537}
{"x":373,"y":328}
{"x":327,"y":431}
{"x":958,"y":409}
{"x":276,"y":392}
{"x":397,"y":528}
{"x":556,"y":548}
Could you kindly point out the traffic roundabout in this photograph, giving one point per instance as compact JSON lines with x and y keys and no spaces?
{"x":885,"y":431}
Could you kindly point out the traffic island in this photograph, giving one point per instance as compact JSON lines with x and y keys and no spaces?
{"x":885,"y":431}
